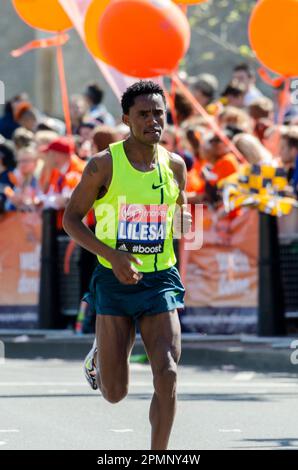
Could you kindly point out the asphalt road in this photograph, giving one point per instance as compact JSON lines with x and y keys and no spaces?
{"x":48,"y":405}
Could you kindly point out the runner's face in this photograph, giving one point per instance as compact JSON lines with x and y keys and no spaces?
{"x":146,"y":118}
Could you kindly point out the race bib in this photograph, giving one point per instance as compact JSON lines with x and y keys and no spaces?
{"x":142,"y":228}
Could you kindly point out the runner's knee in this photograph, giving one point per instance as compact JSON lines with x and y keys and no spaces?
{"x":114,"y":394}
{"x":165,"y":379}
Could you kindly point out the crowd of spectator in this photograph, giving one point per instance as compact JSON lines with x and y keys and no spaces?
{"x":39,"y":166}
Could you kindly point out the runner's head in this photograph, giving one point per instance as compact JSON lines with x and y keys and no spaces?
{"x":144,"y":111}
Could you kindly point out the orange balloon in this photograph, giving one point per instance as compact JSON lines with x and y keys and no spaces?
{"x":143,"y":38}
{"x":273,"y":35}
{"x":47,"y":15}
{"x":93,"y":15}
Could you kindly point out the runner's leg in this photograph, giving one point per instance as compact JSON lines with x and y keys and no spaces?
{"x":115,"y":338}
{"x":161,"y":335}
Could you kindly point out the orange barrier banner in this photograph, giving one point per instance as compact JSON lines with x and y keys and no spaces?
{"x":20,"y":246}
{"x":222,"y":277}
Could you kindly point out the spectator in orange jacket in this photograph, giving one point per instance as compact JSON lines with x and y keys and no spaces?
{"x":221,"y":164}
{"x":66,"y":172}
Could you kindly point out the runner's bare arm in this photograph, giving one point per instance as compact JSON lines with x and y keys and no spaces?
{"x":95,"y":179}
{"x":180,"y":174}
{"x":178,"y":167}
{"x":94,"y":183}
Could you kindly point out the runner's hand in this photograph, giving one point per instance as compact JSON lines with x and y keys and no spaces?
{"x":124,"y":269}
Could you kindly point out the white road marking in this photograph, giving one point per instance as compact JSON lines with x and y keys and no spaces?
{"x":9,"y":430}
{"x":230,"y":430}
{"x":121,"y":430}
{"x":243,"y":376}
{"x":138,"y":367}
{"x":231,"y":384}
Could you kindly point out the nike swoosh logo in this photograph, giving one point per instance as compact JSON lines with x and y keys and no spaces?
{"x":157,"y":186}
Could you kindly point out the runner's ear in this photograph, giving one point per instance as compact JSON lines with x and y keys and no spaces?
{"x":125,"y":119}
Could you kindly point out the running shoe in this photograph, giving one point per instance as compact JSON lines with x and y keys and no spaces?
{"x":90,"y":367}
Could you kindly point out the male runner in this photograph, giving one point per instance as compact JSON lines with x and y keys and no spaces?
{"x":134,"y":187}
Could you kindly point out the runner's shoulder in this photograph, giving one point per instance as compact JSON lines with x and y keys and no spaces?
{"x":100,"y":164}
{"x":176,"y":159}
{"x":177,"y":165}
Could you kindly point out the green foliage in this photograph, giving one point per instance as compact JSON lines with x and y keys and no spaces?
{"x":220,"y":21}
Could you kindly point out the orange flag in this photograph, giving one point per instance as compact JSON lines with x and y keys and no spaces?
{"x":58,"y":40}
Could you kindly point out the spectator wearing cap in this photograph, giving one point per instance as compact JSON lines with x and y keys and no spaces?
{"x":245,"y":74}
{"x":7,"y":178}
{"x":97,"y":111}
{"x":66,"y":172}
{"x":66,"y":166}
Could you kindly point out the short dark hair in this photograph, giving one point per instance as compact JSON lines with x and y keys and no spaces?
{"x":94,"y":93}
{"x":234,"y":88}
{"x":245,"y":67}
{"x":205,"y":88}
{"x":143,"y":87}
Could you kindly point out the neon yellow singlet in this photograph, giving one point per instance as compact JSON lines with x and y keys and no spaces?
{"x":136,"y":213}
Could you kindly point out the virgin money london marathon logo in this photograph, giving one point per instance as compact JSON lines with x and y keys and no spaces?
{"x":142,"y":228}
